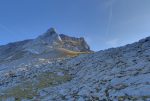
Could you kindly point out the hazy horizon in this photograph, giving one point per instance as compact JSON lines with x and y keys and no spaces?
{"x":103,"y":23}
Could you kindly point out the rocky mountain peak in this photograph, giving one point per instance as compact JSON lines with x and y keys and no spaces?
{"x":52,"y":38}
{"x":31,"y":70}
{"x":48,"y":42}
{"x":50,"y":35}
{"x":50,"y":32}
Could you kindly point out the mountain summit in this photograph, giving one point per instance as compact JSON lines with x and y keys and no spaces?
{"x":50,"y":37}
{"x":55,"y":40}
{"x":50,"y":44}
{"x":49,"y":68}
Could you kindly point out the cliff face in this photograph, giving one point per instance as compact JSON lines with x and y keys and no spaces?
{"x":75,"y":44}
{"x":50,"y":44}
{"x":55,"y":40}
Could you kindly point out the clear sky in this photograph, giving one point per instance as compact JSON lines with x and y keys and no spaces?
{"x":103,"y":23}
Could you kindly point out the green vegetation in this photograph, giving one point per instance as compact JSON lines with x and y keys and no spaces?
{"x":71,"y":53}
{"x":29,"y":88}
{"x":132,"y":98}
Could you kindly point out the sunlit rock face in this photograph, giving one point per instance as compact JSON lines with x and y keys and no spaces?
{"x":76,"y":44}
{"x":45,"y":42}
{"x":50,"y":37}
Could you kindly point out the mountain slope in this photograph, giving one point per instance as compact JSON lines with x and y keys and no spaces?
{"x":116,"y":74}
{"x":49,"y":43}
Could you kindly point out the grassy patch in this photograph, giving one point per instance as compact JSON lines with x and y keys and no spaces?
{"x":20,"y":91}
{"x":51,"y":79}
{"x":28,"y":89}
{"x":71,"y":53}
{"x":132,"y":98}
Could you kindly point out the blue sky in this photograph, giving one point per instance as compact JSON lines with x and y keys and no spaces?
{"x":103,"y":23}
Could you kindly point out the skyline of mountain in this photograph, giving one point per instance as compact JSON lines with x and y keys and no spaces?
{"x":103,"y":23}
{"x":45,"y":70}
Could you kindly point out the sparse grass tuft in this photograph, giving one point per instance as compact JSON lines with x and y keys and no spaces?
{"x":28,"y":89}
{"x":71,"y":53}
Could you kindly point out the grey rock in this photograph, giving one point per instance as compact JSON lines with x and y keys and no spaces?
{"x":116,"y":74}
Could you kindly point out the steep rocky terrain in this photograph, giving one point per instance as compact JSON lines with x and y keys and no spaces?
{"x":116,"y":74}
{"x":76,"y":44}
{"x":50,"y":44}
